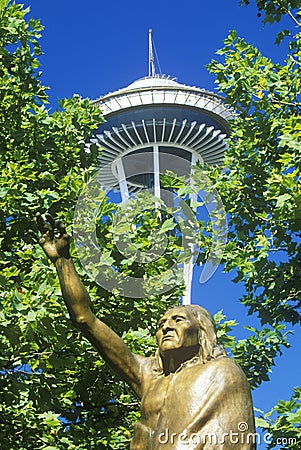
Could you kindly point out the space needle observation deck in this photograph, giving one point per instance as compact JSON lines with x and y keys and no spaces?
{"x":155,"y":116}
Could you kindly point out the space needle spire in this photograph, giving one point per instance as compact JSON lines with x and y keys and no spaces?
{"x":151,"y":59}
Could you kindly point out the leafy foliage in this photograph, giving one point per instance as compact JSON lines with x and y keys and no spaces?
{"x":286,"y":427}
{"x":274,"y":10}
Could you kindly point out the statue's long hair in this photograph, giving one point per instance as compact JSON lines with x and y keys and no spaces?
{"x":208,"y":346}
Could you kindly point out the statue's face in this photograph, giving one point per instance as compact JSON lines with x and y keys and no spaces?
{"x":177,"y":329}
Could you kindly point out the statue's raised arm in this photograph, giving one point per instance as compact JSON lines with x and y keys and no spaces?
{"x":55,"y":243}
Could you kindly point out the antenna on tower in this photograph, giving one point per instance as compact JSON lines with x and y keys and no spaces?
{"x":151,"y":59}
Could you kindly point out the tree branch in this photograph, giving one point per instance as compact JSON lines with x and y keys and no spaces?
{"x":293,"y":18}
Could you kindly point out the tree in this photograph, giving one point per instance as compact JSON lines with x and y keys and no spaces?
{"x":260,"y":189}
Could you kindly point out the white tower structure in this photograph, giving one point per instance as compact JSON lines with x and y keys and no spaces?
{"x":152,"y":116}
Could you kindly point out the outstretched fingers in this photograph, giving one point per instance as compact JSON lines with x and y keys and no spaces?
{"x":41,"y":224}
{"x":52,"y":237}
{"x":48,"y":227}
{"x":51,"y":220}
{"x":57,"y":228}
{"x":33,"y":236}
{"x":53,"y":227}
{"x":61,"y":228}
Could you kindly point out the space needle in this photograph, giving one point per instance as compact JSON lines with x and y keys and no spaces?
{"x":156,"y":115}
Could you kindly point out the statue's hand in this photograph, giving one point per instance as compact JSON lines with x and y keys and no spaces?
{"x":54,"y":240}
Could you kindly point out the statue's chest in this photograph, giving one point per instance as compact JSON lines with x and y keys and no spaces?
{"x":173,"y":393}
{"x":154,"y":398}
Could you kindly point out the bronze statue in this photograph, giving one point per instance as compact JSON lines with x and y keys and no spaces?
{"x":192,"y":395}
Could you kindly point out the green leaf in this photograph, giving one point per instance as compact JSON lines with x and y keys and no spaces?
{"x":168,"y":225}
{"x":282,"y":199}
{"x":261,"y":423}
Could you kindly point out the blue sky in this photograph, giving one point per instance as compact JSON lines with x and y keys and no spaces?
{"x":92,"y":48}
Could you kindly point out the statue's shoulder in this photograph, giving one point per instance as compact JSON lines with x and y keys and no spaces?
{"x":226,"y":362}
{"x":227,"y":370}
